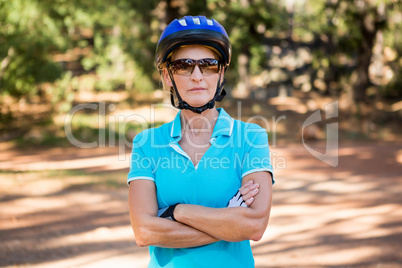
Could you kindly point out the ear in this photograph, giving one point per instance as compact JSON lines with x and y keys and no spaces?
{"x":166,"y":77}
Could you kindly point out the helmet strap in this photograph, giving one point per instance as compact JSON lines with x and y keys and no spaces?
{"x":220,"y":93}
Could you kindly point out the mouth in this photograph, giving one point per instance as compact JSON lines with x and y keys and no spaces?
{"x":195,"y":89}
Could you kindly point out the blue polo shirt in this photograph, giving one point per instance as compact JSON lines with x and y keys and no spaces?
{"x":237,"y":149}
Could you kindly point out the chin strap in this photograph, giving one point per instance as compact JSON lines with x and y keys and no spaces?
{"x":219,"y":95}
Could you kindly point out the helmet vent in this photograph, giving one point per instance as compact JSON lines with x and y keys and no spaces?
{"x":196,"y":21}
{"x":210,"y":22}
{"x":183,"y":22}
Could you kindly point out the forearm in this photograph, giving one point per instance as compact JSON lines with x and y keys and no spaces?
{"x":232,"y":223}
{"x":229,"y":224}
{"x":166,"y":233}
{"x":152,"y":230}
{"x":188,"y":236}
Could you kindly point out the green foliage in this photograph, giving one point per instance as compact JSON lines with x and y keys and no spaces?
{"x":246,"y":23}
{"x":31,"y":32}
{"x":27,"y":36}
{"x":337,"y":30}
{"x":46,"y":44}
{"x":62,"y":93}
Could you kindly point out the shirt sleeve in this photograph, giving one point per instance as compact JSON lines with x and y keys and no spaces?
{"x":141,"y":167}
{"x":257,"y":157}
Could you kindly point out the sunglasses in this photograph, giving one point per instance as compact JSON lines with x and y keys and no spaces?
{"x":186,"y":66}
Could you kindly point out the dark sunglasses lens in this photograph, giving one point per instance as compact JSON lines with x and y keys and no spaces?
{"x":182,"y":67}
{"x":186,"y":66}
{"x":209,"y":66}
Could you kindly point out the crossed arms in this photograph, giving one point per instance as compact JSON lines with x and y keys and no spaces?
{"x":198,"y":225}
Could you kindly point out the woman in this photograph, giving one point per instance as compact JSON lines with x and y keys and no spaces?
{"x":185,"y":175}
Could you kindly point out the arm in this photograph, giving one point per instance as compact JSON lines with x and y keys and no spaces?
{"x":233,"y":224}
{"x":244,"y":197}
{"x":151,"y":230}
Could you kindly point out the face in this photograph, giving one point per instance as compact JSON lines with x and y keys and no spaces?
{"x":198,"y":88}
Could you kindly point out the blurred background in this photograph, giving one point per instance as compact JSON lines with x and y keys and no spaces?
{"x":64,"y":205}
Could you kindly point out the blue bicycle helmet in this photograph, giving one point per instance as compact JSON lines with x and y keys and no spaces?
{"x":197,"y":30}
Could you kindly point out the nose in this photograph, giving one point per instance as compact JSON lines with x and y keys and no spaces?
{"x":197,"y":74}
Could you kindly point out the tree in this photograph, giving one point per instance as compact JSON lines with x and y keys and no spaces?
{"x":369,"y":22}
{"x":246,"y":22}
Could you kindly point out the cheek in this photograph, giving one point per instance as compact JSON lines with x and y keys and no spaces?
{"x":212,"y":83}
{"x":181,"y":83}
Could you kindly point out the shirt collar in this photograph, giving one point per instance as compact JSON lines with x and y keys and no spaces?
{"x":175,"y":132}
{"x":223,"y":126}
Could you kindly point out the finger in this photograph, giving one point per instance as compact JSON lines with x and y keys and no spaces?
{"x":244,"y":186}
{"x":250,"y":194}
{"x":249,"y":201}
{"x":249,"y":188}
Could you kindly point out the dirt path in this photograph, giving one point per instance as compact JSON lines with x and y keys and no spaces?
{"x":74,"y":214}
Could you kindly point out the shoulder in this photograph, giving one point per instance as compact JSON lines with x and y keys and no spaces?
{"x":247,"y":128}
{"x":250,"y":134}
{"x":242,"y":129}
{"x":158,"y":135}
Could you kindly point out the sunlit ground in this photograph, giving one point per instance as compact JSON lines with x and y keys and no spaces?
{"x":68,"y":208}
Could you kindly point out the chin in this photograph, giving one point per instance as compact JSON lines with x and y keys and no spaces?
{"x":198,"y":103}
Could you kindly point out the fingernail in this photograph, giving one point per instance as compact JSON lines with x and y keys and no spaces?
{"x":250,"y":182}
{"x":255,"y":190}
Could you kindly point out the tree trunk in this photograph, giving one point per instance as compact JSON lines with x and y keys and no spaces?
{"x":172,"y":10}
{"x":290,"y":9}
{"x":368,"y":30}
{"x":243,"y":87}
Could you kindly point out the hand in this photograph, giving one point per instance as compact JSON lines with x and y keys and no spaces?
{"x":245,"y":195}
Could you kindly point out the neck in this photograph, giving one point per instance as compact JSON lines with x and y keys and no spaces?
{"x":199,"y":123}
